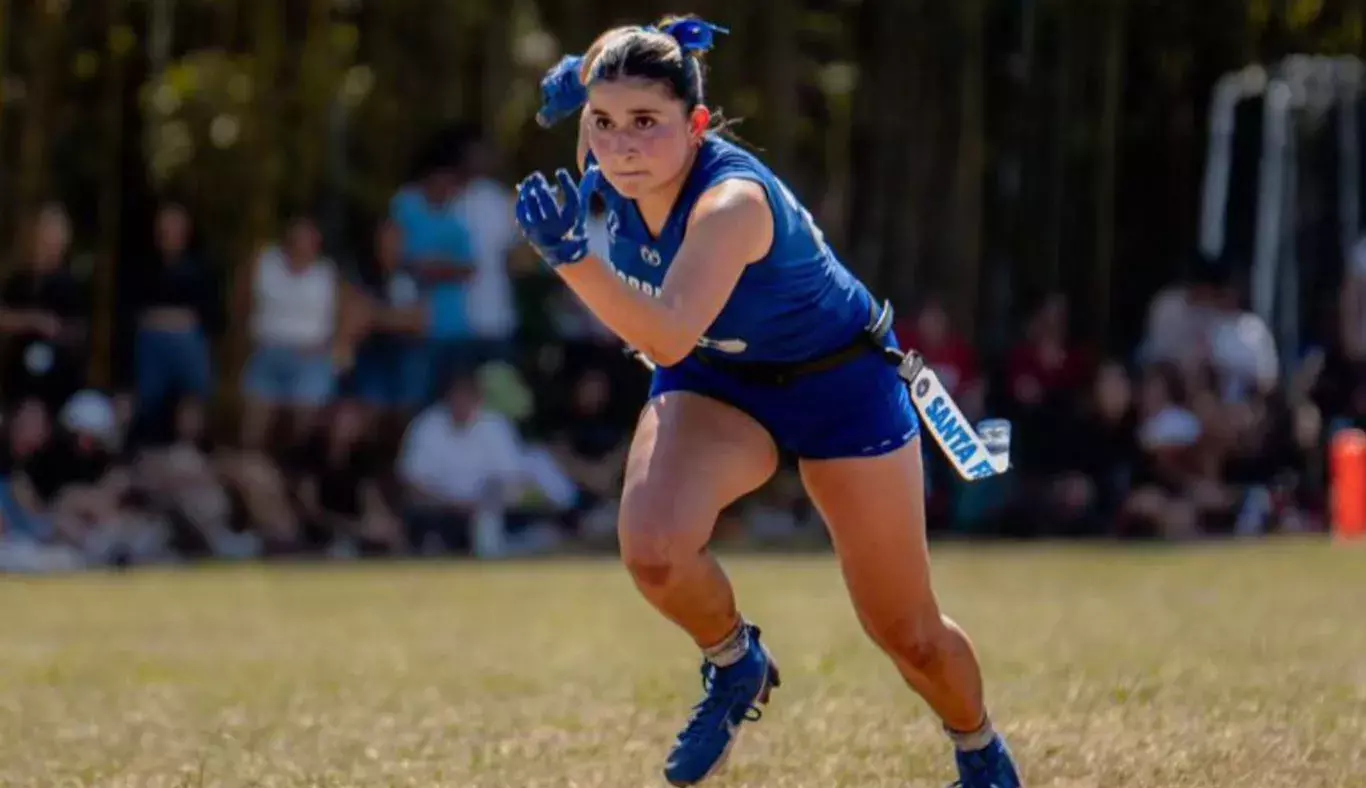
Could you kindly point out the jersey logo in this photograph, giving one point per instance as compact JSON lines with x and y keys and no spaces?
{"x":650,"y":256}
{"x":613,"y":224}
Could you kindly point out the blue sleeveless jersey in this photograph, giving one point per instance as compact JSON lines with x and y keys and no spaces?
{"x":798,"y":303}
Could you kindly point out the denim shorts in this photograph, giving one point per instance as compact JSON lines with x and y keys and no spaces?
{"x":391,"y":373}
{"x":289,"y":376}
{"x":858,"y":409}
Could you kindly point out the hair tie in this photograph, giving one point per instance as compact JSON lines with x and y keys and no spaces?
{"x":693,"y":35}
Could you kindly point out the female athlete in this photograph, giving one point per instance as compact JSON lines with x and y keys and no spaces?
{"x":760,"y":340}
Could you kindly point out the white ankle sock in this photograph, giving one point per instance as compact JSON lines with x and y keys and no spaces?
{"x":729,"y":651}
{"x":972,"y":741}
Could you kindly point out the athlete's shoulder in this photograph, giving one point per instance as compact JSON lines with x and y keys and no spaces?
{"x":721,"y":157}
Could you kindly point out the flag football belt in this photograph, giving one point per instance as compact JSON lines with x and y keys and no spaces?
{"x":767,"y":373}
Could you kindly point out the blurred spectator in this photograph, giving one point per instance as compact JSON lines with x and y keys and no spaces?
{"x":293,"y":292}
{"x":28,"y":433}
{"x":339,"y":488}
{"x":486,"y":208}
{"x":74,"y":480}
{"x":461,"y":468}
{"x":1242,"y":351}
{"x":590,"y":447}
{"x":27,"y":537}
{"x":1044,"y":374}
{"x":178,"y":306}
{"x":438,"y":253}
{"x":390,"y":372}
{"x":930,"y":334}
{"x":1174,"y":488}
{"x":175,"y":468}
{"x":1046,"y":366}
{"x":1181,"y":317}
{"x":44,"y":315}
{"x":1086,"y":488}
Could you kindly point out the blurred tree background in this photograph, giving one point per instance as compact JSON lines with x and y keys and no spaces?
{"x":987,"y":150}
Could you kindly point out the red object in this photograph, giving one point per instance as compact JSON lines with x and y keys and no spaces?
{"x":1347,"y":474}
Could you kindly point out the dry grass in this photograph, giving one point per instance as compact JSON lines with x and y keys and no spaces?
{"x":1240,"y":666}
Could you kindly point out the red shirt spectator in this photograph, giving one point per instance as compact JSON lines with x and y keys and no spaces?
{"x":951,"y":358}
{"x":1045,"y":363}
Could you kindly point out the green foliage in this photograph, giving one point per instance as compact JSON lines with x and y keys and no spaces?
{"x":929,"y":126}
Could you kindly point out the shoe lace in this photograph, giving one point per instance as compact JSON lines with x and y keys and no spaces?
{"x":719,"y":698}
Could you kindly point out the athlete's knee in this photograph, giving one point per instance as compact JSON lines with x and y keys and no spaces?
{"x":656,"y":534}
{"x":919,"y":640}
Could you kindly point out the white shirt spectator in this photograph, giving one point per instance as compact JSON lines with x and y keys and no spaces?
{"x":1243,"y":353}
{"x":1173,"y":322}
{"x":487,"y":209}
{"x":293,"y":308}
{"x":459,"y":463}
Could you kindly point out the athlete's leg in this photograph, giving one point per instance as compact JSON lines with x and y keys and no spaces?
{"x":690,"y":458}
{"x":874,"y":507}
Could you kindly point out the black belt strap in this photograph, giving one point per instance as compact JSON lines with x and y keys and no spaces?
{"x":782,"y":374}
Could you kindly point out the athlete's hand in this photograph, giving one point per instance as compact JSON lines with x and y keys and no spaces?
{"x":561,"y":91}
{"x":554,"y":228}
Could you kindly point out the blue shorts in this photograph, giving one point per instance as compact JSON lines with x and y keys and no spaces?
{"x":858,"y":409}
{"x":289,"y":377}
{"x":391,"y":373}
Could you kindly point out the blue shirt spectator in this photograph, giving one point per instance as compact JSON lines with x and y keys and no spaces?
{"x":438,"y":251}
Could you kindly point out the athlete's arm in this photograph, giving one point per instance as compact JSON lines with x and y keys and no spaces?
{"x":731,"y":226}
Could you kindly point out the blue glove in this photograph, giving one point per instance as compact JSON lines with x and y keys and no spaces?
{"x":562,"y":94}
{"x":557,"y":232}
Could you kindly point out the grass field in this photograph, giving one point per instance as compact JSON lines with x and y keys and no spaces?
{"x":1240,"y":666}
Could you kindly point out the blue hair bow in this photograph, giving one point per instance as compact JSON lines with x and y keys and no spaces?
{"x":693,"y":35}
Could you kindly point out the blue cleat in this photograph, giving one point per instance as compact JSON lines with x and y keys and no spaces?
{"x":990,"y":767}
{"x":733,"y":696}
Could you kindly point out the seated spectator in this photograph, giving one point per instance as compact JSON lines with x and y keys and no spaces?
{"x":1044,"y":373}
{"x":590,"y":447}
{"x":178,"y":306}
{"x":76,"y":481}
{"x":339,"y":488}
{"x":1087,"y":484}
{"x":1242,"y":351}
{"x":44,"y":315}
{"x":27,"y":435}
{"x":176,"y":470}
{"x":460,"y":467}
{"x":1180,"y":318}
{"x":293,"y":292}
{"x":1175,"y":484}
{"x":27,"y":538}
{"x":259,"y":483}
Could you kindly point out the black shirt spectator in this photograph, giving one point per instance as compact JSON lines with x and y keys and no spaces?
{"x":183,"y":282}
{"x":58,"y":463}
{"x":45,"y":315}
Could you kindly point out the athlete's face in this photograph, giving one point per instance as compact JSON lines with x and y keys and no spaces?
{"x":641,"y":134}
